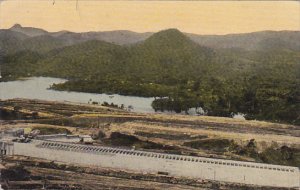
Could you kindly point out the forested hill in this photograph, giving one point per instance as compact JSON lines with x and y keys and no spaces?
{"x":251,"y":41}
{"x":166,"y":54}
{"x":262,"y":81}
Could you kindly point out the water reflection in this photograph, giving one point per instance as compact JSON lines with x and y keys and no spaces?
{"x":37,"y":88}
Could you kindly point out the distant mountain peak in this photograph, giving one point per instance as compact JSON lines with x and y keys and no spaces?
{"x":170,"y":32}
{"x":29,"y":31}
{"x":16,"y":26}
{"x":175,"y":30}
{"x":169,"y":37}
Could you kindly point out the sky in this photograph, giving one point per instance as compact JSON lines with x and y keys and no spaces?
{"x":200,"y":17}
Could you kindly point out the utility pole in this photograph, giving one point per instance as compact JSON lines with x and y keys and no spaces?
{"x":215,"y":174}
{"x":1,"y":61}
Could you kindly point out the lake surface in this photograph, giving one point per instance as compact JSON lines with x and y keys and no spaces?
{"x":37,"y":88}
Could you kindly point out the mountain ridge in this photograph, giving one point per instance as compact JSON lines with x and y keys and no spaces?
{"x":247,"y":41}
{"x":261,"y":81}
{"x":29,"y":31}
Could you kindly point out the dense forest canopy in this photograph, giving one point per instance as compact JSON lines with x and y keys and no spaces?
{"x":181,"y":70}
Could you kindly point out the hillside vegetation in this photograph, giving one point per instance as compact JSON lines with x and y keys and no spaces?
{"x":262,"y":82}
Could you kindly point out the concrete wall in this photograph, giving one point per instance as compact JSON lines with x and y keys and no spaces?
{"x":6,"y":148}
{"x":60,"y":138}
{"x":175,"y":165}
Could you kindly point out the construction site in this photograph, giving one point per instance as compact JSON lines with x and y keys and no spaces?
{"x":52,"y":145}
